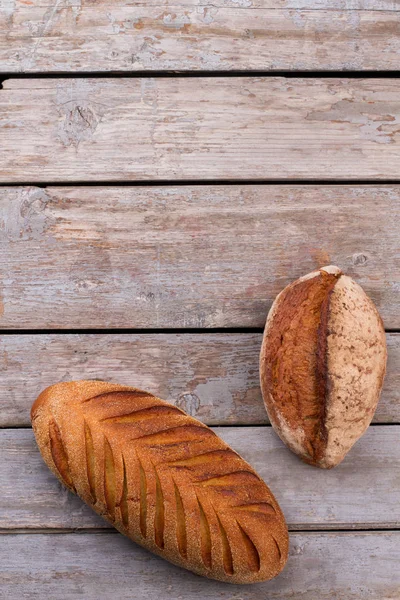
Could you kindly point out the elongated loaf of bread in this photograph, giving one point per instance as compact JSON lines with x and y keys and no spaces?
{"x":322,"y":365}
{"x":162,"y":478}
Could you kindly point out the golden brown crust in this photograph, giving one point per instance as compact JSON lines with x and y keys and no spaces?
{"x":311,"y":339}
{"x":293,"y":361}
{"x":162,"y":478}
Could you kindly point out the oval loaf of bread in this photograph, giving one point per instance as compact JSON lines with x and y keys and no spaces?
{"x":322,"y":365}
{"x":162,"y":478}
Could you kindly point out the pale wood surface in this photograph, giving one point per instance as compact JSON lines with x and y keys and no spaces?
{"x":187,"y":256}
{"x":362,"y":492}
{"x":199,"y":128}
{"x":193,"y":256}
{"x":122,"y":35}
{"x":321,"y":566}
{"x":214,"y":377}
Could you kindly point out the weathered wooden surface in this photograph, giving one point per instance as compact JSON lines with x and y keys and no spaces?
{"x":321,"y":566}
{"x":214,"y":377}
{"x":190,"y":256}
{"x":362,"y":492}
{"x":199,"y":128}
{"x":198,"y":35}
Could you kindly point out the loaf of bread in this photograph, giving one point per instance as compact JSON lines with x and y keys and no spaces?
{"x":162,"y":478}
{"x":322,"y":365}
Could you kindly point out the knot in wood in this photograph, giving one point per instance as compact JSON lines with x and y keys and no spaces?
{"x":189,"y":402}
{"x":359,"y":259}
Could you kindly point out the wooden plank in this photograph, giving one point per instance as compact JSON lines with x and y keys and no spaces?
{"x":362,"y":492}
{"x":190,"y":256}
{"x":199,"y":128}
{"x":349,"y":5}
{"x":191,"y":35}
{"x":321,"y":566}
{"x":214,"y":377}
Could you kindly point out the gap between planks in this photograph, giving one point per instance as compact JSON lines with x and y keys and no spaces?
{"x":144,"y":183}
{"x":372,"y":74}
{"x":220,"y":425}
{"x":133,"y":331}
{"x":112,"y":530}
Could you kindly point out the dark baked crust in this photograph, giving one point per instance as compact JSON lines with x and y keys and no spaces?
{"x":162,"y":478}
{"x":293,"y":363}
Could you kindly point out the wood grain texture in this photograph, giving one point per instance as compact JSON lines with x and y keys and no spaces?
{"x":213,"y":377}
{"x":362,"y":492}
{"x":198,"y":35}
{"x":190,"y":256}
{"x":346,"y":566}
{"x":199,"y":128}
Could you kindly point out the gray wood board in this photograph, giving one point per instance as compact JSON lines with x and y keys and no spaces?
{"x":321,"y":566}
{"x":198,"y":35}
{"x":199,"y":128}
{"x":214,"y":377}
{"x":362,"y":492}
{"x":186,"y":256}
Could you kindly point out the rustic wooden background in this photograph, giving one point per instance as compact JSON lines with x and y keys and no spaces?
{"x":167,"y":167}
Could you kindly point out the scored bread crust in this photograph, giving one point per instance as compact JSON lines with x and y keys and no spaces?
{"x":322,"y":365}
{"x":162,"y":478}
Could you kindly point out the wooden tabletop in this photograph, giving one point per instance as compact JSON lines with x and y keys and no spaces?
{"x":167,"y":167}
